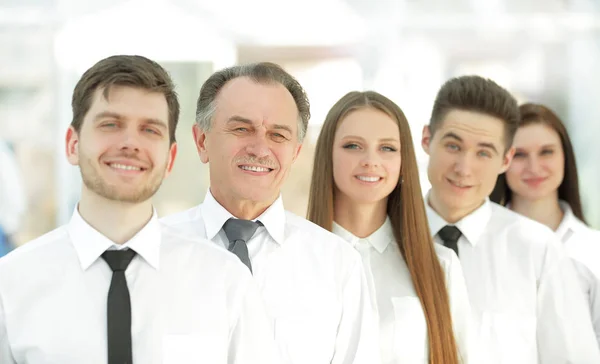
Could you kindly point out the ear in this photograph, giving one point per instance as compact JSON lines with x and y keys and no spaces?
{"x":171,"y":162}
{"x":72,"y":146}
{"x":200,"y":141}
{"x":296,"y":152}
{"x":426,"y":139}
{"x":507,"y":159}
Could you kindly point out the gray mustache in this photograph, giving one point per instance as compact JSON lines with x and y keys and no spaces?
{"x":266,"y":162}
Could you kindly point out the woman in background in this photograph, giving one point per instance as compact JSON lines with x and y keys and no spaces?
{"x":365,"y":188}
{"x":542,"y":184}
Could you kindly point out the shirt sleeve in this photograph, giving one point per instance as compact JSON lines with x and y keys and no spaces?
{"x":591,"y":287}
{"x":460,"y":309}
{"x":5,"y":351}
{"x":564,"y":326}
{"x":358,"y":331}
{"x":584,"y":249}
{"x":252,"y":339}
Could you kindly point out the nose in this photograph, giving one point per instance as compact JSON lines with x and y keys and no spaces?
{"x":533,"y":165}
{"x":370,"y":159}
{"x":463,"y":165}
{"x":130,"y":140}
{"x":258,"y":145}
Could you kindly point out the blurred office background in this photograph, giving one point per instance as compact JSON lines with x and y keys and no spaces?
{"x":542,"y":50}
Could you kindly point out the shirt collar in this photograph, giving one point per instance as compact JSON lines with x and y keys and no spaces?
{"x":570,"y":223}
{"x":471,"y":226}
{"x":215,"y":215}
{"x":380,"y":239}
{"x":90,"y":243}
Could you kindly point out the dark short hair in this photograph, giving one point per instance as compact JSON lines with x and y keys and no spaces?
{"x":124,"y":70}
{"x":477,"y":94}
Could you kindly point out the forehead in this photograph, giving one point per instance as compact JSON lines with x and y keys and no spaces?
{"x":368,"y":123}
{"x":130,"y":103}
{"x":473,"y":127}
{"x":268,"y":103}
{"x":535,"y":135}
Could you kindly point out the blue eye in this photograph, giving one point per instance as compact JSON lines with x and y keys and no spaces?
{"x":350,"y":146}
{"x":389,"y":149}
{"x":452,"y":147}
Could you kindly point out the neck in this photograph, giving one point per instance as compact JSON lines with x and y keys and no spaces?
{"x":545,"y":210}
{"x":118,"y":221}
{"x":242,"y":209}
{"x":449,"y":214}
{"x":361,"y":220}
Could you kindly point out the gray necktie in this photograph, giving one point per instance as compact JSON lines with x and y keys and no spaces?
{"x":239,"y":232}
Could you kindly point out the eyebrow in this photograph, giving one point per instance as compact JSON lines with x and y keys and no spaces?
{"x":384,"y":140}
{"x":114,"y":115}
{"x":451,"y":135}
{"x":552,"y":145}
{"x":241,"y":119}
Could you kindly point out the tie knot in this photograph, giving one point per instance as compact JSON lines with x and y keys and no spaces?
{"x":118,"y":260}
{"x":450,"y":233}
{"x":238,"y":229}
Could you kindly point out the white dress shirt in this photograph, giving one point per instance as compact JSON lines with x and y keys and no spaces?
{"x":583,"y":245}
{"x":524,"y":293}
{"x":12,"y":193}
{"x":312,"y":281}
{"x":402,"y":323}
{"x":191,"y":302}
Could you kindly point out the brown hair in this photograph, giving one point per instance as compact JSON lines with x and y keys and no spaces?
{"x":477,"y":94}
{"x":263,"y":73}
{"x":124,"y":70}
{"x":569,"y":188}
{"x":406,"y":211}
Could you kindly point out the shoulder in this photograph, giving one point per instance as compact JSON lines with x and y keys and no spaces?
{"x":314,"y":235}
{"x":205,"y":254}
{"x":181,"y":217}
{"x":189,"y":221}
{"x":326,"y":252}
{"x":176,"y":237}
{"x":518,"y":228}
{"x":584,"y":247}
{"x":33,"y":251}
{"x":40,"y":260}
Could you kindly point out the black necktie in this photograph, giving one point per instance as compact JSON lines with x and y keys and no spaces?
{"x":239,"y":232}
{"x":450,"y":235}
{"x":118,"y":321}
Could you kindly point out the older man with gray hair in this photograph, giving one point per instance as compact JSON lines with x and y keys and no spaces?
{"x":250,"y":124}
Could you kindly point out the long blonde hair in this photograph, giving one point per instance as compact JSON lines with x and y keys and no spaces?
{"x":406,"y":211}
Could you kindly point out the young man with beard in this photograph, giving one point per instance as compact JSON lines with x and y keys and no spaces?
{"x":115,"y":285}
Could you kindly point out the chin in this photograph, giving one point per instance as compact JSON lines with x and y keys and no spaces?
{"x":534,"y":196}
{"x":459,"y":203}
{"x":258,"y":195}
{"x":368,"y":199}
